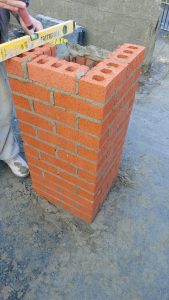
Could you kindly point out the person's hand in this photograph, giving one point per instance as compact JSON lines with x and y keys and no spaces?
{"x":36,"y":24}
{"x":12,"y":5}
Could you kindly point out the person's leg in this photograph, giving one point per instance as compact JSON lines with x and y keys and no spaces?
{"x":8,"y":145}
{"x":9,"y":149}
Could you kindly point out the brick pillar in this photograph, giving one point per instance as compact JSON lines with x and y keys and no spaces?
{"x":74,"y":121}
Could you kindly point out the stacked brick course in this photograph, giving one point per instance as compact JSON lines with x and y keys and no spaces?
{"x":74,"y":117}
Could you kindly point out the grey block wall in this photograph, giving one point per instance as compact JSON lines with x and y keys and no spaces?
{"x":109,"y":23}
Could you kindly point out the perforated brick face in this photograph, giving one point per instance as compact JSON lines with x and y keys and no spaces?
{"x":74,"y":117}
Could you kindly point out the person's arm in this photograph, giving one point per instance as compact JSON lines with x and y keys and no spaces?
{"x":12,"y":5}
{"x":36,"y":24}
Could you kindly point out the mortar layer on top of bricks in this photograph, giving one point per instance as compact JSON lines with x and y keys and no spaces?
{"x":73,"y":115}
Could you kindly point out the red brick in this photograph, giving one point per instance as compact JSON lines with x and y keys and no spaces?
{"x":78,"y":213}
{"x":27,"y":129}
{"x":55,"y":73}
{"x":33,"y":169}
{"x":56,"y":140}
{"x":46,"y":195}
{"x":38,"y":185}
{"x":30,"y":89}
{"x":90,"y":127}
{"x":56,"y":179}
{"x":28,"y":56}
{"x":48,"y":183}
{"x":22,"y":102}
{"x":85,"y":194}
{"x":121,"y":92}
{"x":82,"y":138}
{"x":45,"y":49}
{"x":78,"y":181}
{"x":88,"y":154}
{"x":103,"y":80}
{"x":59,"y":198}
{"x":76,"y":160}
{"x":59,"y":163}
{"x":32,"y":151}
{"x":16,"y":64}
{"x":81,"y":60}
{"x":55,"y":113}
{"x":78,"y":105}
{"x":38,"y":144}
{"x":138,"y":51}
{"x":87,"y":176}
{"x":42,"y":165}
{"x":79,"y":200}
{"x":131,"y":55}
{"x":61,"y":189}
{"x":34,"y":119}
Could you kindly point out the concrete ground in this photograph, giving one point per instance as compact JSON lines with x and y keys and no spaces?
{"x":45,"y":253}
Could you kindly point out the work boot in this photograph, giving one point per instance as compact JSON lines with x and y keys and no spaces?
{"x":18,"y":166}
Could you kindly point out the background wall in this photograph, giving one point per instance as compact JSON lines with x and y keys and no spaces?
{"x":108,"y":22}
